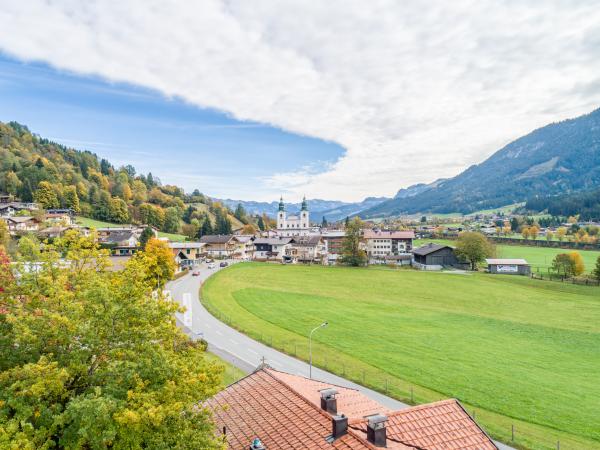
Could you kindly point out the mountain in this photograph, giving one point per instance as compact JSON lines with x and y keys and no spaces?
{"x":333,"y":210}
{"x":559,"y":158}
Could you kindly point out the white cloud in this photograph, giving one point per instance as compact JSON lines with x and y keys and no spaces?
{"x":412,"y":90}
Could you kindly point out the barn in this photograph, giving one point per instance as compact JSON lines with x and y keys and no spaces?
{"x":508,"y":266}
{"x":434,"y":257}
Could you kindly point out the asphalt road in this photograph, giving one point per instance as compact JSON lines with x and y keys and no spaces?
{"x":246,"y":353}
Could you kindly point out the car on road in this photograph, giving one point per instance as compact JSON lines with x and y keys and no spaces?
{"x":196,"y":273}
{"x":224,"y":264}
{"x":211,"y":265}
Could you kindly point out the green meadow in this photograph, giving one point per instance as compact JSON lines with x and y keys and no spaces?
{"x":517,"y":352}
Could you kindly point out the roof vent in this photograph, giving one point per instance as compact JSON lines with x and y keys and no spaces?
{"x":257,"y":445}
{"x":376,"y":433}
{"x":328,"y":400}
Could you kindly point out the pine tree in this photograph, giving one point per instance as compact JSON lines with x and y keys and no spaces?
{"x":46,"y":196}
{"x":261,"y":223}
{"x":596,"y":271}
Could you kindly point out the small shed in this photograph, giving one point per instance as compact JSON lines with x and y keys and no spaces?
{"x":434,"y":257}
{"x":508,"y":266}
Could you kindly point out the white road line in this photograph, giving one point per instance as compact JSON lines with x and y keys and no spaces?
{"x":234,"y":342}
{"x":219,"y":333}
{"x":252,"y":351}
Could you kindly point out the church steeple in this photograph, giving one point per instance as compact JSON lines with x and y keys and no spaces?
{"x":304,"y":205}
{"x":281,"y":205}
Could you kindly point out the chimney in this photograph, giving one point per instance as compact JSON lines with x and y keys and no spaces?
{"x":376,"y":433}
{"x":257,"y":445}
{"x":328,"y":400}
{"x":339,"y":426}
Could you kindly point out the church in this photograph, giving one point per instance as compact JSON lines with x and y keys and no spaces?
{"x":293,"y":225}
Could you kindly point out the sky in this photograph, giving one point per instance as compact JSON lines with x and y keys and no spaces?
{"x":337,"y":100}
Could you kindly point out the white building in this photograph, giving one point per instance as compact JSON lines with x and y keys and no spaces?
{"x":293,"y":225}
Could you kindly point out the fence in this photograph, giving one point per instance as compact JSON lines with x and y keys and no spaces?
{"x":517,"y":434}
{"x":551,"y":276}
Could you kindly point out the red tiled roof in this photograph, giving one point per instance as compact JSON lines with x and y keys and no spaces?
{"x":371,"y":234}
{"x":283,"y":410}
{"x":435,"y":426}
{"x":351,"y":402}
{"x":262,"y":406}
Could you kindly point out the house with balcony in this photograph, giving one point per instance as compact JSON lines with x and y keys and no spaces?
{"x":381,"y":244}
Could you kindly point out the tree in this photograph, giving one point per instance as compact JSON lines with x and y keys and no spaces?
{"x":260,"y":223}
{"x":549,"y":235}
{"x":91,"y":360}
{"x":71,"y":198}
{"x":473,"y":247}
{"x":525,"y":232}
{"x":561,"y":233}
{"x":46,"y":196}
{"x":6,"y":276}
{"x":4,"y":234}
{"x":12,"y":184}
{"x":423,"y":219}
{"x":222,"y":222}
{"x":171,"y":220}
{"x":562,"y":264}
{"x":578,"y":264}
{"x":352,"y":254}
{"x":533,"y":231}
{"x":248,"y":229}
{"x":596,"y":271}
{"x":146,"y":235}
{"x":118,"y":211}
{"x":347,"y":221}
{"x":158,"y":262}
{"x":188,"y":214}
{"x":206,"y":228}
{"x":240,"y":213}
{"x":514,"y":224}
{"x":324,"y":222}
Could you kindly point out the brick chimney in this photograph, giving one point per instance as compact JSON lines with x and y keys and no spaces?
{"x":339,"y":426}
{"x":328,"y":400}
{"x":376,"y":433}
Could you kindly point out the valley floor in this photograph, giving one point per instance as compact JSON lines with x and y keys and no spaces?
{"x":516,"y":351}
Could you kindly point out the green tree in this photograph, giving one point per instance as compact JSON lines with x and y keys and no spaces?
{"x":4,"y":234}
{"x":352,"y":254}
{"x":474,"y":248}
{"x":12,"y":184}
{"x":188,"y":214}
{"x":260,"y":223}
{"x":563,"y":264}
{"x":347,"y":221}
{"x":596,"y":271}
{"x":158,"y":262}
{"x":222,"y":222}
{"x":206,"y":229}
{"x":324,"y":222}
{"x":118,"y":212}
{"x":172,"y":221}
{"x":240,"y":213}
{"x":92,"y":361}
{"x":71,"y":198}
{"x":46,"y":196}
{"x":146,"y":235}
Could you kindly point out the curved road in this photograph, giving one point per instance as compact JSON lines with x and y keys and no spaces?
{"x":243,"y":352}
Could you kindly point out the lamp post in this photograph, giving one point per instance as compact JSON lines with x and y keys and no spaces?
{"x":324,"y":324}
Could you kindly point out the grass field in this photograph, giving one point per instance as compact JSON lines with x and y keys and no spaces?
{"x":230,"y":373}
{"x":539,"y":257}
{"x":516,"y":351}
{"x":87,"y":222}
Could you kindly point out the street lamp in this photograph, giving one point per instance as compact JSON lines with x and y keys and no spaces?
{"x":323,"y":325}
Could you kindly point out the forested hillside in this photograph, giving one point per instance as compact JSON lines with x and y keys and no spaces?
{"x":584,"y":204}
{"x":36,"y":169}
{"x":559,"y":158}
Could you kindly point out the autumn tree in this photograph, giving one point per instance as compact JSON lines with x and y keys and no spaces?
{"x":352,"y":254}
{"x":561,"y":233}
{"x":578,"y":264}
{"x":46,"y":196}
{"x":474,"y":248}
{"x":525,"y":232}
{"x":596,"y":271}
{"x":158,"y":262}
{"x":71,"y":198}
{"x":147,"y":234}
{"x":562,"y":264}
{"x":549,"y":235}
{"x":92,"y":360}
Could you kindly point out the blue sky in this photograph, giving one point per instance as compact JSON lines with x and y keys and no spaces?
{"x":178,"y":142}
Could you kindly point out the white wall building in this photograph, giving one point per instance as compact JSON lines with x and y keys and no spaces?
{"x":293,"y":225}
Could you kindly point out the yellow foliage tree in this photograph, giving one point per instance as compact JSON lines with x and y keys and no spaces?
{"x":578,"y":264}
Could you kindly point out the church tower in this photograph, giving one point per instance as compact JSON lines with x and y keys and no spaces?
{"x":304,"y":219}
{"x":281,"y":215}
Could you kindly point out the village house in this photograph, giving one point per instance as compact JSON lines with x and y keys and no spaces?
{"x":269,"y":409}
{"x":271,"y":248}
{"x":60,"y":216}
{"x":306,"y":249}
{"x":245,"y":248}
{"x":120,"y":242}
{"x":380,"y":244}
{"x":22,"y":224}
{"x":186,"y":254}
{"x":220,"y":245}
{"x":11,"y":208}
{"x":334,"y":243}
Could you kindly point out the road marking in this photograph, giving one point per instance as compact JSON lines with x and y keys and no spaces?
{"x":252,"y":351}
{"x":233,"y":342}
{"x":219,"y":333}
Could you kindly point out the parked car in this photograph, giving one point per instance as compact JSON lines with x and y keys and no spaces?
{"x":196,"y":273}
{"x":211,"y":265}
{"x":224,"y":264}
